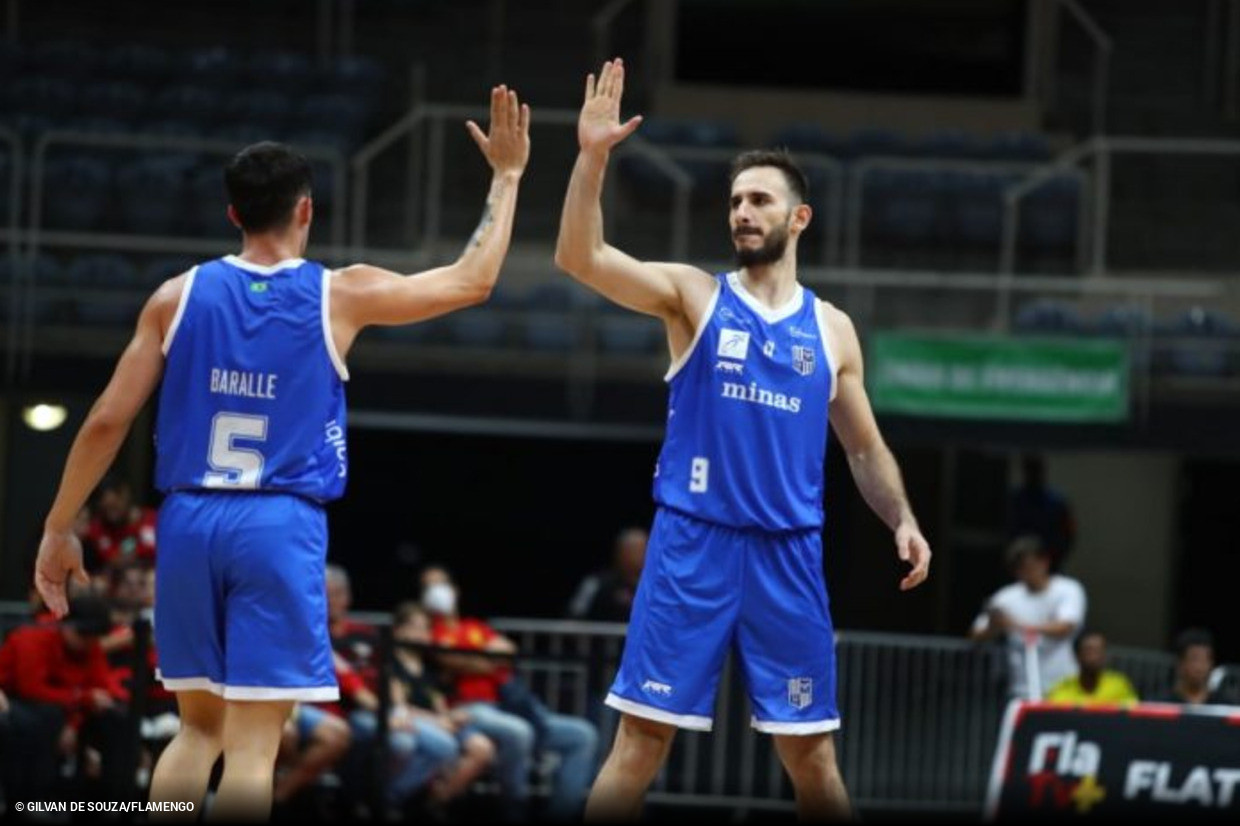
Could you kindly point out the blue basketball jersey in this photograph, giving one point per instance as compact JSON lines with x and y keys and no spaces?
{"x":253,"y":390}
{"x":747,"y":415}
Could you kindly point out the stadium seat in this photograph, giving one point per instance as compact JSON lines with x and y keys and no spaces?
{"x":150,"y":194}
{"x":114,"y":311}
{"x":906,"y":205}
{"x":1019,"y":146}
{"x":1201,"y":343}
{"x":1046,"y":316}
{"x":188,"y":103}
{"x":263,"y":108}
{"x":1123,"y":321}
{"x":337,"y":114}
{"x":477,"y":327}
{"x":870,"y":142}
{"x":68,"y":59}
{"x":139,"y":62}
{"x":47,"y":271}
{"x":76,"y":192}
{"x":98,"y":125}
{"x":206,"y":203}
{"x":974,"y":203}
{"x":356,"y":76}
{"x":552,"y":296}
{"x":628,"y":334}
{"x":161,"y":269}
{"x":283,"y":72}
{"x":1049,"y":215}
{"x":103,"y":271}
{"x":809,"y":137}
{"x":215,"y":67}
{"x":111,"y":99}
{"x":42,"y":95}
{"x":550,"y":332}
{"x":950,"y":144}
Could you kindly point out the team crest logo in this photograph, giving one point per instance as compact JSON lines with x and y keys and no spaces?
{"x":800,"y":692}
{"x":803,"y":359}
{"x":733,"y":344}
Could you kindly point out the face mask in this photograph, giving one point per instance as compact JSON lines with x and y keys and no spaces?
{"x":439,"y":598}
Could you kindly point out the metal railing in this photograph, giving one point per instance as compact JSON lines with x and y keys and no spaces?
{"x":434,"y":118}
{"x":1103,"y":46}
{"x":1100,"y":149}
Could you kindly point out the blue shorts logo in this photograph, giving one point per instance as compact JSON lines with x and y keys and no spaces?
{"x":800,"y":692}
{"x":657,"y":689}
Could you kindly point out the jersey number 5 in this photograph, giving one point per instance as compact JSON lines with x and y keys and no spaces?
{"x":232,"y":466}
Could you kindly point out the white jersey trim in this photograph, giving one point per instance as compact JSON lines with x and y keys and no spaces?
{"x":825,"y":332}
{"x":790,"y":307}
{"x":687,"y":721}
{"x":697,"y":335}
{"x":176,"y":318}
{"x":259,"y":269}
{"x":814,"y":727}
{"x":341,"y":369}
{"x":317,"y":694}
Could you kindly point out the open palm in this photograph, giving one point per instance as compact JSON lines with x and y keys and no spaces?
{"x":599,"y":127}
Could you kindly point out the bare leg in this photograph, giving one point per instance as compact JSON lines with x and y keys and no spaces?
{"x":184,"y":769}
{"x":252,"y":732}
{"x":637,"y":755}
{"x":477,"y":754}
{"x":328,"y":743}
{"x":810,"y":762}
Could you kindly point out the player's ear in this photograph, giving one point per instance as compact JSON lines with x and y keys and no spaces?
{"x":303,"y":212}
{"x":801,"y":216}
{"x":232,"y":216}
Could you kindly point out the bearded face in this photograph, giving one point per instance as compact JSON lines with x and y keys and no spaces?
{"x":773,"y":244}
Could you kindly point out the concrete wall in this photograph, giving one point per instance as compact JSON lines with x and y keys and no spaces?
{"x":1125,"y":506}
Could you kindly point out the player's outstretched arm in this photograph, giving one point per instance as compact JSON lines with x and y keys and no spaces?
{"x":363,"y":295}
{"x":873,"y":466}
{"x":653,"y":288}
{"x":97,"y":442}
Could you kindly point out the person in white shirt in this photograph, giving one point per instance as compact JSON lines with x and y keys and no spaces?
{"x":1038,"y":615}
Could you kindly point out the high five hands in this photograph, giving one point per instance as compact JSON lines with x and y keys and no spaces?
{"x":599,"y":127}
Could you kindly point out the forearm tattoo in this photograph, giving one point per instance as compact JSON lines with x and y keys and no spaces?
{"x":488,"y":215}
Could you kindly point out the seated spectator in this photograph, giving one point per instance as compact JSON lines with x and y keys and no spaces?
{"x":1194,"y":667}
{"x":64,"y":698}
{"x":1041,"y":609}
{"x":414,"y":759}
{"x":502,"y":709}
{"x":120,"y":530}
{"x":314,"y":741}
{"x":607,"y":596}
{"x":418,"y":695}
{"x":1094,"y":683}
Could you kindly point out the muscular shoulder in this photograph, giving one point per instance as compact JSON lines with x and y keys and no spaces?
{"x":844,"y":343}
{"x":162,"y":306}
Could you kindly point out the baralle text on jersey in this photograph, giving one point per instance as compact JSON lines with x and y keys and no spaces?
{"x":241,"y":383}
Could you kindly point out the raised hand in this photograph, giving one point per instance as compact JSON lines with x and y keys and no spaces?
{"x":507,"y":145}
{"x":599,"y":127}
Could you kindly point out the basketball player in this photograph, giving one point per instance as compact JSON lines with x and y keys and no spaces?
{"x":250,"y":444}
{"x":759,"y":365}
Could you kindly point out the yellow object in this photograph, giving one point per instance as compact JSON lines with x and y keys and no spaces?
{"x":1112,"y":687}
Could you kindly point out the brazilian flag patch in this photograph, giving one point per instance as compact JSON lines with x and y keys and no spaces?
{"x":258,"y":286}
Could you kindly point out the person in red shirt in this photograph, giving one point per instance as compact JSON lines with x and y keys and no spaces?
{"x":64,"y":696}
{"x":119,"y":530}
{"x":504,"y":710}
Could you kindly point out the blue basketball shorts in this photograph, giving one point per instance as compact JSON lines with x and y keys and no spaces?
{"x":708,"y":589}
{"x":241,"y":597}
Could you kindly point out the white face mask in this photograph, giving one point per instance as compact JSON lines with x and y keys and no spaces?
{"x":439,"y":598}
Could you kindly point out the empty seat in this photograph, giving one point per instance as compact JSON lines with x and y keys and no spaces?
{"x":628,"y":334}
{"x":150,"y":193}
{"x":121,"y":100}
{"x":975,"y":204}
{"x":103,"y":271}
{"x":186,"y":103}
{"x":550,"y":332}
{"x":216,"y":67}
{"x":139,"y":62}
{"x":161,"y":269}
{"x":873,"y":141}
{"x":41,"y":95}
{"x":477,"y":327}
{"x":76,"y":192}
{"x":264,"y":108}
{"x":949,"y":143}
{"x":1049,"y":214}
{"x":286,"y":72}
{"x":1048,"y":316}
{"x":1019,"y":146}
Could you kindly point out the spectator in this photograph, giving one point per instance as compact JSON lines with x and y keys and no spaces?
{"x":1194,"y":670}
{"x":64,"y":697}
{"x":469,"y":752}
{"x":502,"y":709}
{"x":1094,"y":683}
{"x":414,"y":760}
{"x":607,"y":596}
{"x":1037,"y":509}
{"x":1041,"y":609}
{"x":120,"y":530}
{"x":314,"y":741}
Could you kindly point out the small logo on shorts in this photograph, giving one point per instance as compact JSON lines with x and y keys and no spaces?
{"x":657,"y":689}
{"x":800,"y":692}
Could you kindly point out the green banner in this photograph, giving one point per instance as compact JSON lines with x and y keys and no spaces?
{"x":976,"y":377}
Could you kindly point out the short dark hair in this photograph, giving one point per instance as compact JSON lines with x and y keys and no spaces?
{"x":1190,"y":638}
{"x":89,"y":615}
{"x":406,"y":611}
{"x":782,"y":160}
{"x":1085,"y":634}
{"x":264,"y":181}
{"x":1022,"y":545}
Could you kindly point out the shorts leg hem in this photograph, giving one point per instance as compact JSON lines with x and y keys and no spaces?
{"x":686,"y":721}
{"x":811,"y":727}
{"x":312,"y":694}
